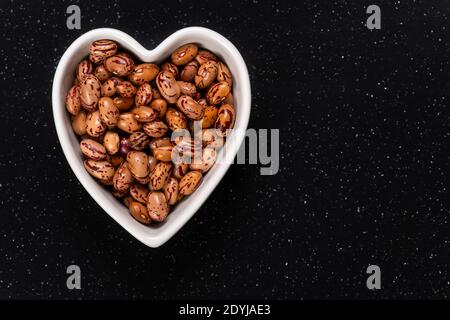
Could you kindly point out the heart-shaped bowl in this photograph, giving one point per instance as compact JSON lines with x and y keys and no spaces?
{"x":158,"y":233}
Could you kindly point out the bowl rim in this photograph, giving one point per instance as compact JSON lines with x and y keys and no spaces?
{"x":234,"y":141}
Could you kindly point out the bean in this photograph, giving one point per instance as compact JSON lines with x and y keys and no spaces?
{"x":101,"y":73}
{"x":157,"y":206}
{"x":102,"y":170}
{"x":206,"y":74}
{"x":143,"y":73}
{"x":121,"y":65}
{"x":184,"y":54}
{"x":209,"y":117}
{"x":123,"y":178}
{"x":159,"y":106}
{"x":155,"y":129}
{"x":109,"y":113}
{"x":175,"y":119}
{"x":90,"y":90}
{"x":138,"y":140}
{"x":170,"y":67}
{"x":126,"y":89}
{"x":84,"y":68}
{"x":109,"y":87}
{"x":111,"y":142}
{"x":190,"y":107}
{"x":189,"y":71}
{"x":204,"y":56}
{"x":224,"y":74}
{"x":225,"y":119}
{"x":218,"y":92}
{"x":144,"y":95}
{"x":190,"y":182}
{"x":206,"y":162}
{"x":168,"y":86}
{"x":92,"y":149}
{"x":139,"y":193}
{"x":94,"y":126}
{"x":79,"y":123}
{"x":160,"y":175}
{"x":171,"y":191}
{"x":102,"y":49}
{"x":73,"y":102}
{"x":138,"y":163}
{"x":140,"y":212}
{"x":128,"y":123}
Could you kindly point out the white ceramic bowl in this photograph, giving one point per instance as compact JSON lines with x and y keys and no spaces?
{"x":155,"y":234}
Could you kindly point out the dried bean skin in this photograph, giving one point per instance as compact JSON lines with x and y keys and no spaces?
{"x":140,"y":212}
{"x":92,"y":149}
{"x":157,"y":206}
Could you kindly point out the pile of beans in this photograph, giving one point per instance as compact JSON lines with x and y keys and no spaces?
{"x":126,"y":113}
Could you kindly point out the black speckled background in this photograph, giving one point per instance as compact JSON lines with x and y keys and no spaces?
{"x":363,"y":178}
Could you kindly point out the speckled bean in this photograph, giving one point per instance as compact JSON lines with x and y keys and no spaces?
{"x":160,"y":175}
{"x":92,"y":149}
{"x":102,"y":170}
{"x":190,"y":182}
{"x":157,"y":206}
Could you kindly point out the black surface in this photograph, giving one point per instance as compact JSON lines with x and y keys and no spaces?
{"x":364,"y":122}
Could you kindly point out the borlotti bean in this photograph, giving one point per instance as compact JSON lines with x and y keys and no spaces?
{"x":124,"y":112}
